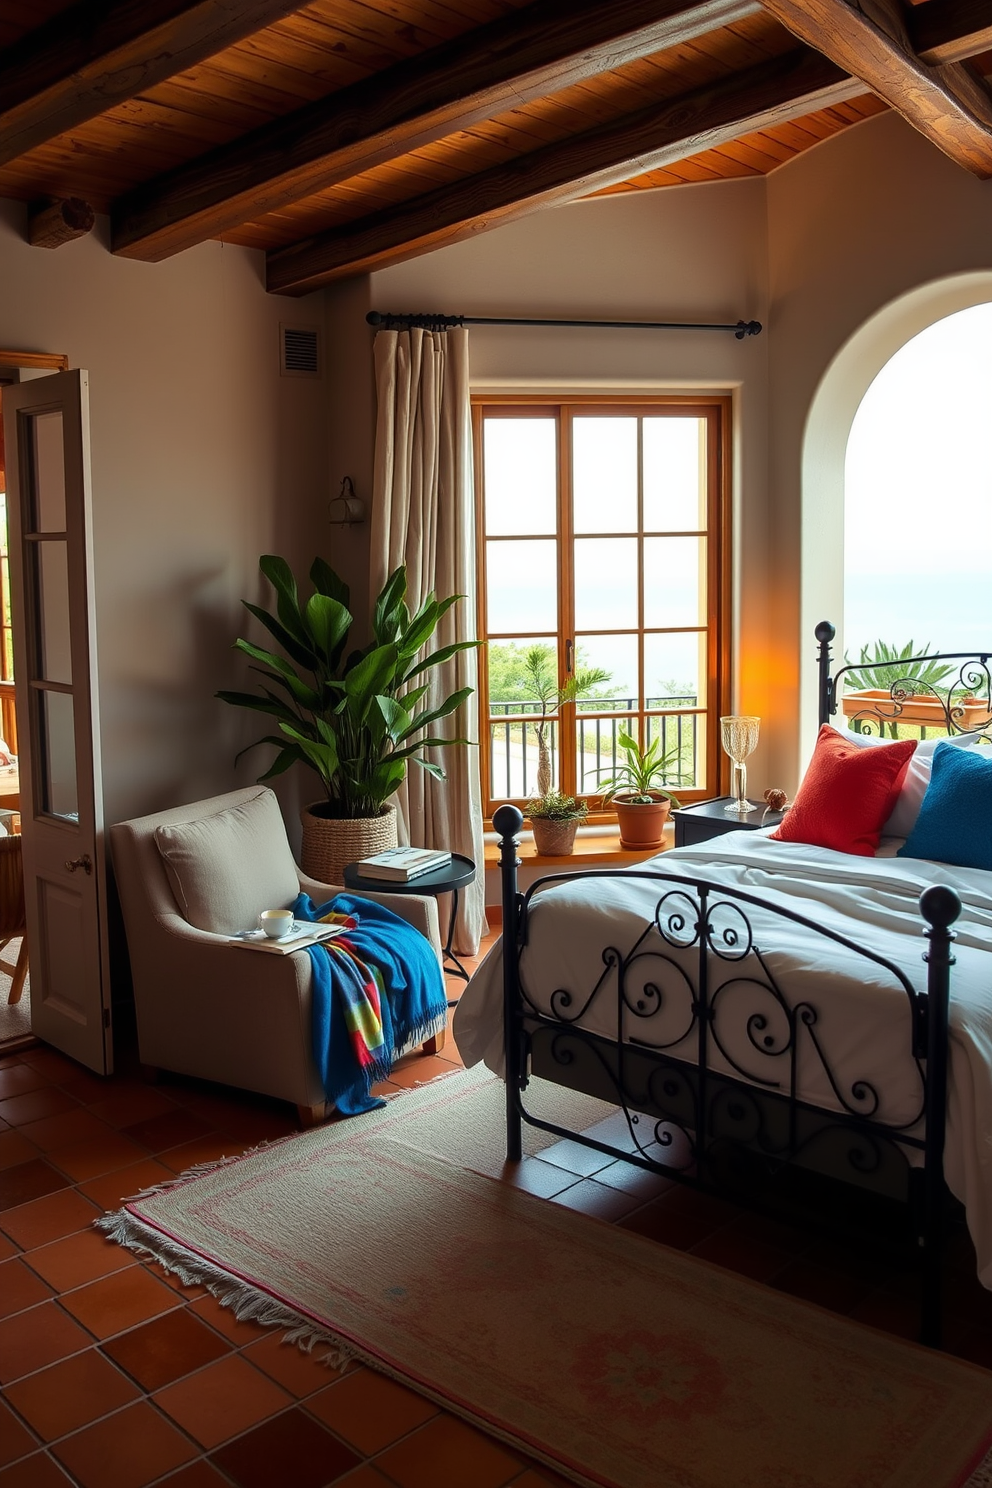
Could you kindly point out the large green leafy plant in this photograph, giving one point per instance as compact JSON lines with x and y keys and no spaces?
{"x":642,"y":772}
{"x":358,"y":717}
{"x":885,"y":666}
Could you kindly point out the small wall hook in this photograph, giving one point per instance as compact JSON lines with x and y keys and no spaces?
{"x":347,"y":509}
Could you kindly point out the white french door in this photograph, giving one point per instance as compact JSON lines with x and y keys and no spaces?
{"x":46,"y":430}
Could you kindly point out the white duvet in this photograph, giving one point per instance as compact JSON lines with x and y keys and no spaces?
{"x":863,"y":1013}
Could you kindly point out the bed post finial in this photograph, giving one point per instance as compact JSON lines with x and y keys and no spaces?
{"x":940,"y":907}
{"x":508,"y":821}
{"x":825,"y":633}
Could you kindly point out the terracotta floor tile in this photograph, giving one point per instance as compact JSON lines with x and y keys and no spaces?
{"x":110,"y":1191}
{"x":7,"y":1248}
{"x":59,"y":1131}
{"x":199,"y":1474}
{"x":222,"y":1400}
{"x":70,"y":1394}
{"x":290,"y":1448}
{"x":96,"y":1155}
{"x":299,"y":1373}
{"x":168,"y":1129}
{"x":34,"y":1472}
{"x":536,"y":1177}
{"x":820,"y":1284}
{"x":18,"y":1079}
{"x":447,"y":1453}
{"x":15,"y":1438}
{"x":50,"y":1062}
{"x":15,"y":1148}
{"x":743,"y":1254}
{"x":20,"y":1287}
{"x":628,"y":1178}
{"x":368,"y":1476}
{"x":159,"y":1352}
{"x":121,"y":1301}
{"x":418,"y":1070}
{"x":126,"y":1450}
{"x":48,"y":1101}
{"x":574,"y":1158}
{"x":590,"y":1197}
{"x":238,"y":1331}
{"x":85,"y":1087}
{"x":657,"y":1222}
{"x":131,"y":1103}
{"x":370,"y":1410}
{"x":541,"y":1477}
{"x":207,"y":1149}
{"x":30,"y":1340}
{"x":76,"y":1259}
{"x":27,"y":1181}
{"x":254,"y":1125}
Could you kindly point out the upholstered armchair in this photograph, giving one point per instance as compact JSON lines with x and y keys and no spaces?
{"x":190,"y":878}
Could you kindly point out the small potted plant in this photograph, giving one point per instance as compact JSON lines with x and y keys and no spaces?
{"x":554,"y":818}
{"x":637,"y":791}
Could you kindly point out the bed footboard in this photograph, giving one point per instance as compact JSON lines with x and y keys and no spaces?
{"x":691,"y":1100}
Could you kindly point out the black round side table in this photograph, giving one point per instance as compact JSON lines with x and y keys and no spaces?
{"x":447,"y":880}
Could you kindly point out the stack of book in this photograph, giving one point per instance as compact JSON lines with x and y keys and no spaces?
{"x":400,"y":864}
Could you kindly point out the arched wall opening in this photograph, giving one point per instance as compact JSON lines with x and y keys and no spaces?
{"x":825,"y":441}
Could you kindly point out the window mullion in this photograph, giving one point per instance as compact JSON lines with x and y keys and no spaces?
{"x":566,"y":602}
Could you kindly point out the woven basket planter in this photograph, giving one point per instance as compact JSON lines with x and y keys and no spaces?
{"x":553,"y":839}
{"x":329,"y":843}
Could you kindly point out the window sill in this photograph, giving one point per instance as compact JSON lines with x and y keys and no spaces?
{"x":593,"y":847}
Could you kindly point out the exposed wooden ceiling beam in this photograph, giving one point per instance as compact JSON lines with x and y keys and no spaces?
{"x":949,"y":104}
{"x":950,"y":30}
{"x":95,"y":55}
{"x":530,"y":52}
{"x":769,"y":93}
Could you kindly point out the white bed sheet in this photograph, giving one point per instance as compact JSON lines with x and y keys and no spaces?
{"x":864,"y":1017}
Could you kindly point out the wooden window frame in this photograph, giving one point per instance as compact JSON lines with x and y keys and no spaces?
{"x":717,"y":409}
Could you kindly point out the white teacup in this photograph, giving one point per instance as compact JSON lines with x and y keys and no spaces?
{"x":276,"y":922}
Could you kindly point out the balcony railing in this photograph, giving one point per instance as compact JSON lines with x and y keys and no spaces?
{"x":513,"y":753}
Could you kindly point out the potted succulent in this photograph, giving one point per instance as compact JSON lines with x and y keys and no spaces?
{"x":355,"y":717}
{"x":638,"y":793}
{"x":554,"y":817}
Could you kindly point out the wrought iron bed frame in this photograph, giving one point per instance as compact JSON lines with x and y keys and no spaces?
{"x":685,"y":1101}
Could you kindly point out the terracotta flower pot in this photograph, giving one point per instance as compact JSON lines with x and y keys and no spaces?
{"x":642,"y":823}
{"x":330,"y":842}
{"x":553,"y":839}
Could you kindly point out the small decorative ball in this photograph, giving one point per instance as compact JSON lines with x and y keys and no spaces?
{"x":776,"y":799}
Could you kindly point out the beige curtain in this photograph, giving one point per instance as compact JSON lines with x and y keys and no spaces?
{"x":424,"y":516}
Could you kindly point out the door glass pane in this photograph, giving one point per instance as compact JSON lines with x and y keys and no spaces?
{"x":617,"y":657}
{"x":521,"y":586}
{"x":674,"y":581}
{"x":674,"y":474}
{"x":605,"y":583}
{"x":520,"y":468}
{"x":52,"y":579}
{"x":48,"y":483}
{"x":675,"y":670}
{"x":59,"y":795}
{"x":604,"y":474}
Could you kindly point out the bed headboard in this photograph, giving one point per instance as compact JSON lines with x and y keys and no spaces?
{"x":957,"y":702}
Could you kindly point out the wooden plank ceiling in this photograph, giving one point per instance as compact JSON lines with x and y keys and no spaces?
{"x":345,"y":135}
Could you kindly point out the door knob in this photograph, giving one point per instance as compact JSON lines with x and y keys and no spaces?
{"x":84,"y":862}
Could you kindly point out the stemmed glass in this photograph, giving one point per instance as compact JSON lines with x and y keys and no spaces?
{"x":740,"y":738}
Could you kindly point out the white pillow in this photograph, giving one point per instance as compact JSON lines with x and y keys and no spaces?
{"x":917,"y":778}
{"x":226,"y":868}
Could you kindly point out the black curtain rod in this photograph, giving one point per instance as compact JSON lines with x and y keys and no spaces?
{"x":386,"y":321}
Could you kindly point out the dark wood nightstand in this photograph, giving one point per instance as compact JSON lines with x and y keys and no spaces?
{"x":708,"y":819}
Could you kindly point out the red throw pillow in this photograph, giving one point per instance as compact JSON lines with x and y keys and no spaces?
{"x":847,"y":794}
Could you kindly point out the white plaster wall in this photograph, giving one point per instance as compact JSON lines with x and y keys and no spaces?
{"x":872,"y":236}
{"x":203,"y":457}
{"x":684,"y":254}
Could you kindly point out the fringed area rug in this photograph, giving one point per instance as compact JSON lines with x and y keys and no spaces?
{"x":614,"y":1360}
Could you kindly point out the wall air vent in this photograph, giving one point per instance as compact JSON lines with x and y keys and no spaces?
{"x":299,"y":351}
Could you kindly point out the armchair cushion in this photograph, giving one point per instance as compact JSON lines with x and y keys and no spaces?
{"x":227,"y":867}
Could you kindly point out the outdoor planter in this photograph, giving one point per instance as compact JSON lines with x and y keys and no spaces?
{"x":919,"y":710}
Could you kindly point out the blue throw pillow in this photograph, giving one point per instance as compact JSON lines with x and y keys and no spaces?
{"x":955,"y":820}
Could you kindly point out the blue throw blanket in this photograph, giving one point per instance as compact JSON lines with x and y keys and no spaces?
{"x":380,"y":970}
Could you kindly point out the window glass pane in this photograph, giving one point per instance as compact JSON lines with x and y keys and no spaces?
{"x":675,"y":670}
{"x":52,"y":579}
{"x":674,"y":474}
{"x":683,"y":742}
{"x":48,"y":483}
{"x":604,"y":474}
{"x":617,"y":657}
{"x":674,"y":581}
{"x":523,"y":680}
{"x":521,"y":586}
{"x":605,"y":583}
{"x":520,"y":475}
{"x":58,"y":785}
